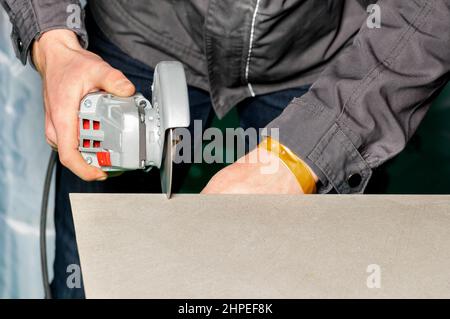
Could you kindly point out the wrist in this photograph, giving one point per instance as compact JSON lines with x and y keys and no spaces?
{"x":52,"y":42}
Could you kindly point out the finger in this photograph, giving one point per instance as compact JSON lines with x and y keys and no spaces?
{"x":50,"y":132}
{"x":52,"y":145}
{"x":66,"y":126}
{"x":112,"y":81}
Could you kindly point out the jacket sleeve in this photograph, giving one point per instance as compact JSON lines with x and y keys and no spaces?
{"x":31,"y":18}
{"x":365,"y":107}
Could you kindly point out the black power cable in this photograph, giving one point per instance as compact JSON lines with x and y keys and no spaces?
{"x":43,"y":225}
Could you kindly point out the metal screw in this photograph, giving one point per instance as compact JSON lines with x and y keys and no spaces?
{"x":143,"y":103}
{"x":177,"y":139}
{"x":87,"y":103}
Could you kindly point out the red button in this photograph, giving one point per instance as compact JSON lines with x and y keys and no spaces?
{"x":96,"y":144}
{"x":96,"y":125}
{"x":86,"y":124}
{"x":103,"y":159}
{"x":86,"y":143}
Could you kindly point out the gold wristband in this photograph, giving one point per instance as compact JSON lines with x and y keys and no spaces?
{"x":293,"y":163}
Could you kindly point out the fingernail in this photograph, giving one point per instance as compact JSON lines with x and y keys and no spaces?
{"x":102,"y":179}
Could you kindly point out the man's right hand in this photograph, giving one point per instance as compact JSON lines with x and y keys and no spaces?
{"x":69,"y":72}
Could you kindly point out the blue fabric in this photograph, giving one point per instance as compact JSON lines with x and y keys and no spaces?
{"x":255,"y":112}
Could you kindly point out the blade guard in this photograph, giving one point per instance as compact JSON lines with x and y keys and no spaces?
{"x":170,"y":96}
{"x":170,"y":108}
{"x":170,"y":93}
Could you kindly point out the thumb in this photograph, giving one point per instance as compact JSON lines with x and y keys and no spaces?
{"x":115,"y":82}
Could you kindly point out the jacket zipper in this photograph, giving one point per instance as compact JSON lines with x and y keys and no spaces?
{"x":250,"y":48}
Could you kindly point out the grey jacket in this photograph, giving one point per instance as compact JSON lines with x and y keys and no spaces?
{"x":372,"y":86}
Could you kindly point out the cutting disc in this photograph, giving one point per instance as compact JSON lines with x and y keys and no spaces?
{"x":166,"y":170}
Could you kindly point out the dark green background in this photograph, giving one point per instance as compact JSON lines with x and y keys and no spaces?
{"x":422,"y":168}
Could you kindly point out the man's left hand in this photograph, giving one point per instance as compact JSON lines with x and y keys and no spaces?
{"x":259,"y":172}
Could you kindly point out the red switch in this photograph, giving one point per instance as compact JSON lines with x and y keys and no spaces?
{"x":96,"y":144}
{"x":86,"y":124}
{"x":86,"y":143}
{"x":96,"y":125}
{"x":103,"y":159}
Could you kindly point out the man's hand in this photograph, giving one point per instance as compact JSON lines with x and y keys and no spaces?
{"x":259,"y":172}
{"x":69,"y":73}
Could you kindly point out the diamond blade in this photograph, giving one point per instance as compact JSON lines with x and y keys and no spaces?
{"x":166,"y":170}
